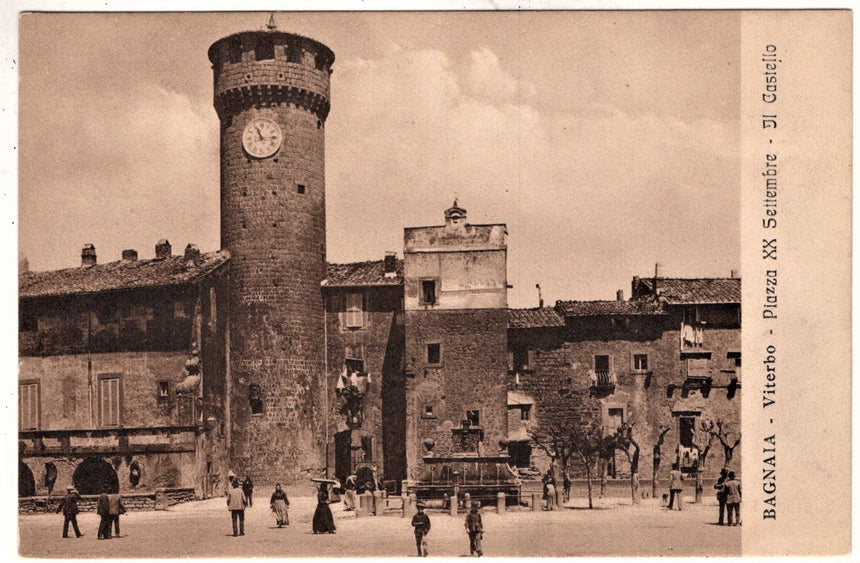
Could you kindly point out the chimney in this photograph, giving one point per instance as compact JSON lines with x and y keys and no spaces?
{"x":658,"y":270}
{"x":162,"y":249}
{"x":129,"y":255}
{"x":619,"y":295}
{"x":734,"y":273}
{"x":192,"y":254}
{"x":88,"y":255}
{"x":390,"y":265}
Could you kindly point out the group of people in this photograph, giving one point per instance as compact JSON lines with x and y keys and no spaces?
{"x":729,"y":497}
{"x":474,"y":528}
{"x":549,"y":489}
{"x":109,"y":509}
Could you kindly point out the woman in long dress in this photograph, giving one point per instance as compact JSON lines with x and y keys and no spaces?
{"x":279,"y":504}
{"x":323,"y":522}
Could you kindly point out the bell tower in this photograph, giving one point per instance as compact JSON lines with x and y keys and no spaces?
{"x":271,"y":93}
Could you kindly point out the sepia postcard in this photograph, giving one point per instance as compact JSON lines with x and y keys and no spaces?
{"x":502,"y":283}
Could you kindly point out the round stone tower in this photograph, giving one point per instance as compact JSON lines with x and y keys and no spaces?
{"x":272,"y":98}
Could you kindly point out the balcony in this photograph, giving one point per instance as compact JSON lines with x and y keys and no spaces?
{"x":602,"y":381}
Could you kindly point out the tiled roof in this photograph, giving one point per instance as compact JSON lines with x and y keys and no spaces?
{"x":533,"y":318}
{"x":602,"y":308}
{"x":696,"y":290}
{"x":358,"y":274}
{"x":119,"y":275}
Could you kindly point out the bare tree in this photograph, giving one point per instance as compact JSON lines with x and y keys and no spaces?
{"x":656,"y":459}
{"x":716,"y":430}
{"x":625,"y":442}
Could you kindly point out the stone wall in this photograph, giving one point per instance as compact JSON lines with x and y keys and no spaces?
{"x":470,"y":376}
{"x":380,"y":342}
{"x":88,"y":503}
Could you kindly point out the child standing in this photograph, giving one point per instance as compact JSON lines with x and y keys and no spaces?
{"x":421,"y":524}
{"x":475,"y":528}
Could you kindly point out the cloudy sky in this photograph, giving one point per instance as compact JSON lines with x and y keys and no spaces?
{"x":605,"y":141}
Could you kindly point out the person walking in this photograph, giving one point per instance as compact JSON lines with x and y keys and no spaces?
{"x":721,"y":494}
{"x":421,"y":526}
{"x":248,"y":489}
{"x":676,"y":484}
{"x":236,"y":503}
{"x":116,"y":508}
{"x":349,"y":488}
{"x":103,"y":510}
{"x":733,"y":499}
{"x":323,"y":521}
{"x":475,"y":529}
{"x":69,"y":508}
{"x":279,"y":504}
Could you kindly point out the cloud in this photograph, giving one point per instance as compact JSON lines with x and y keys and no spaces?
{"x":575,"y":189}
{"x":140,"y":169}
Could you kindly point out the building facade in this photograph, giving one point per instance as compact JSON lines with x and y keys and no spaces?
{"x":265,"y":360}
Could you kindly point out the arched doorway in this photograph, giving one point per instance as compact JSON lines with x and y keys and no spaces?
{"x":26,"y":481}
{"x":95,"y":476}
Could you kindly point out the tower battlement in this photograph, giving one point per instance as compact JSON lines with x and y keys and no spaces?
{"x":270,"y":67}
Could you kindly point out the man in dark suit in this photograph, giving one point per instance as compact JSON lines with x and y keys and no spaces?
{"x":69,"y":508}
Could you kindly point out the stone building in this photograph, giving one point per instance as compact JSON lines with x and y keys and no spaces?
{"x":121,"y":373}
{"x":265,"y":359}
{"x":668,"y":359}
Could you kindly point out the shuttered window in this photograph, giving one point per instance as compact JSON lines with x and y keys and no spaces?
{"x":354,"y":310}
{"x":28,"y":406}
{"x":109,"y":401}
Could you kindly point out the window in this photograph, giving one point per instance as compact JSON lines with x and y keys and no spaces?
{"x":28,"y":405}
{"x":428,"y":412}
{"x":434,"y":353}
{"x":354,"y":310}
{"x":687,"y":431}
{"x":428,"y":292}
{"x":734,"y":358}
{"x":163,"y":389}
{"x":640,"y":362}
{"x":300,"y":188}
{"x":109,"y":400}
{"x":524,"y":359}
{"x":525,"y":412}
{"x":614,"y":418}
{"x":601,"y":365}
{"x":255,"y":398}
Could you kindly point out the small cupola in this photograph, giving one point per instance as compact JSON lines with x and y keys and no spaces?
{"x":455,"y":217}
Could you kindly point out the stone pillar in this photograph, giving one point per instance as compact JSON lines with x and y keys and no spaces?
{"x":365,"y":504}
{"x":536,"y":501}
{"x":160,"y":500}
{"x":467,"y":501}
{"x":500,"y":503}
{"x":378,"y":503}
{"x":413,"y":502}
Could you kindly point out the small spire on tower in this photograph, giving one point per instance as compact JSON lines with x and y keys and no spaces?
{"x":272,"y":25}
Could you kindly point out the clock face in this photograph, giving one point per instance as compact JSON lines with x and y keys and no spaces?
{"x":261,"y":138}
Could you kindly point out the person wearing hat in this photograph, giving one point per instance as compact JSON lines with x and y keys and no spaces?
{"x":421,"y":524}
{"x":69,"y":508}
{"x":475,"y":528}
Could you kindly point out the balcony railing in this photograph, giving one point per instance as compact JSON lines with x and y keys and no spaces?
{"x":602,"y":379}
